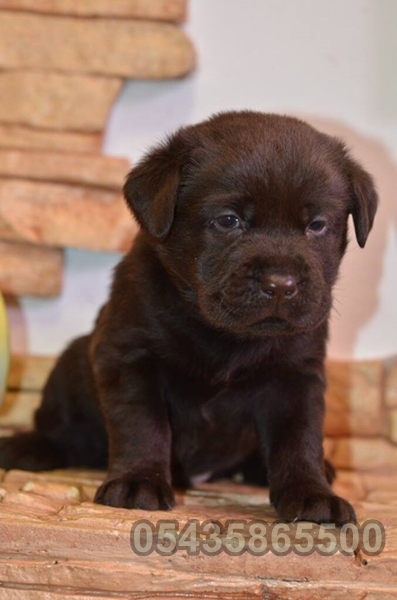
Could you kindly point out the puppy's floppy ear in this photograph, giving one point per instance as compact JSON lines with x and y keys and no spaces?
{"x":364,"y":200}
{"x":151,"y":188}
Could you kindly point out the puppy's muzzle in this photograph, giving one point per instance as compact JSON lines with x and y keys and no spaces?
{"x":279,"y":288}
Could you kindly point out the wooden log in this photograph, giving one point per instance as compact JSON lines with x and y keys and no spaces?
{"x":57,"y":101}
{"x":15,"y":136}
{"x":115,"y":47}
{"x":76,"y":477}
{"x":354,"y":398}
{"x":64,"y":215}
{"x":213,"y":586}
{"x":93,"y":170}
{"x":57,"y":491}
{"x":29,"y":373}
{"x":30,"y":270}
{"x":89,"y":546}
{"x":162,"y":10}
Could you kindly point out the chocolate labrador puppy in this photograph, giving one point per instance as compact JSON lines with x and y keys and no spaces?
{"x":208,"y":357}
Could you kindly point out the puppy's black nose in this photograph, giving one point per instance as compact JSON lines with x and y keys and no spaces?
{"x":280,"y":287}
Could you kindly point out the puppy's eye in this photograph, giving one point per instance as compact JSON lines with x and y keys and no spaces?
{"x":227,"y":222}
{"x":317,"y":227}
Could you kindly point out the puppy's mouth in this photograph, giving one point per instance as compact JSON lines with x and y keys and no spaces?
{"x":273,"y":325}
{"x":242,"y":310}
{"x":274,"y":322}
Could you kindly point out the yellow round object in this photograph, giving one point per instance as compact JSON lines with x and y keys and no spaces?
{"x":4,"y":348}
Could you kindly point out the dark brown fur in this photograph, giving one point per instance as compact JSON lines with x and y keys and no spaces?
{"x":209,"y":355}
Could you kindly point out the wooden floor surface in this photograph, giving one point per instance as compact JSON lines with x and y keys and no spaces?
{"x":56,"y":544}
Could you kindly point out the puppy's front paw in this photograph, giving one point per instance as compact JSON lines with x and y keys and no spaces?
{"x":323,"y":507}
{"x":134,"y":492}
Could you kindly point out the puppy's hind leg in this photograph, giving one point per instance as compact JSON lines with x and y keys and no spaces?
{"x":33,"y":450}
{"x":69,"y":430}
{"x":30,"y":452}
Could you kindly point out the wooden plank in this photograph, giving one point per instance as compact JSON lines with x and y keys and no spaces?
{"x":163,"y":10}
{"x":115,"y":47}
{"x":18,"y":409}
{"x":16,"y":136}
{"x":30,"y":270}
{"x":29,"y":373}
{"x":354,"y":398}
{"x":361,"y":453}
{"x":391,"y":425}
{"x":92,"y":170}
{"x":64,"y":215}
{"x":57,"y":101}
{"x":391,"y":384}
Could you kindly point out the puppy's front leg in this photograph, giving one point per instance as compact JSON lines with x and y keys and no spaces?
{"x":136,"y":416}
{"x":290,"y":427}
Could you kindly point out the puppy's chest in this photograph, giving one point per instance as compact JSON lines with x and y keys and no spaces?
{"x":209,"y":424}
{"x":200,"y":405}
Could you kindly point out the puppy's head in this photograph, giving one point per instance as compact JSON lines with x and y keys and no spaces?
{"x":248,"y":213}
